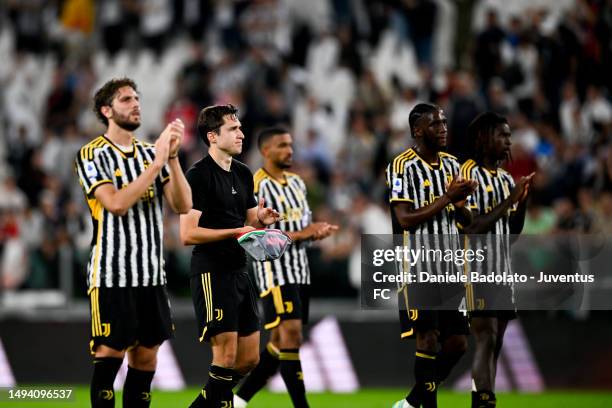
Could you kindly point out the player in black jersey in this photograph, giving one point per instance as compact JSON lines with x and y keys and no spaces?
{"x":499,"y":209}
{"x":224,"y":297}
{"x":283,"y":283}
{"x":124,"y":180}
{"x":427,"y":197}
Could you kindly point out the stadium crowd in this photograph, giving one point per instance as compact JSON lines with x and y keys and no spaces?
{"x":342,"y":74}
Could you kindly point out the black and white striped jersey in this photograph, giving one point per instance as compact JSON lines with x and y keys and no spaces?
{"x":494,"y":187}
{"x":412,"y":179}
{"x":126,"y":250}
{"x":288,"y":197}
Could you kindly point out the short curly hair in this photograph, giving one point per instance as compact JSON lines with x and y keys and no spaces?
{"x":104,"y":96}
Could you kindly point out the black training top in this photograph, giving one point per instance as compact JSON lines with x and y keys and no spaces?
{"x":224,"y":198}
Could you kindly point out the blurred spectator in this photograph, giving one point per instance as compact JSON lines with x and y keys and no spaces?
{"x":487,"y":53}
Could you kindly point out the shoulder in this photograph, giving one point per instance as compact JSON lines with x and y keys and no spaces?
{"x":89,"y":151}
{"x":293,"y":177}
{"x":259,"y":180}
{"x":468,"y":167}
{"x":145,"y":145}
{"x":400,"y":160}
{"x":505,"y":175}
{"x":450,"y":159}
{"x":240,"y":167}
{"x":242,"y":171}
{"x":198,"y":169}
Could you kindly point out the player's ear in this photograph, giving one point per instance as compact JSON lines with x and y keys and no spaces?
{"x":107,"y":111}
{"x":212,"y":137}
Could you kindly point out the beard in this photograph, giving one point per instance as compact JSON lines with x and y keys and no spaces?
{"x":124,"y":122}
{"x":284,"y":165}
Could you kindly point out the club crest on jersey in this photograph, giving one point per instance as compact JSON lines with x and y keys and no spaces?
{"x":397,"y":185}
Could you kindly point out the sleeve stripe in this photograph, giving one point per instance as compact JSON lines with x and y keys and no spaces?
{"x":466,"y":169}
{"x":257,"y":179}
{"x":392,"y":199}
{"x":398,"y":159}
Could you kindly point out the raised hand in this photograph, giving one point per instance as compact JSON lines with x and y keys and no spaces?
{"x":267,"y":215}
{"x":177,"y":131}
{"x":521,"y":190}
{"x":162,"y":147}
{"x":320,"y":230}
{"x":459,"y":189}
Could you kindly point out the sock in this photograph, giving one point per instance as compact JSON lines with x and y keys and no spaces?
{"x":201,"y":401}
{"x":102,"y":394}
{"x":236,"y":378}
{"x":137,"y":388}
{"x":267,"y":367}
{"x":415,"y":396}
{"x":218,"y":390}
{"x":291,"y":371}
{"x":425,"y":374}
{"x":219,"y":386}
{"x":483,"y":399}
{"x":444,"y":365}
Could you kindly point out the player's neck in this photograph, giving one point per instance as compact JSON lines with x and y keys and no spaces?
{"x":220,"y":157}
{"x":490,"y":164}
{"x":274,"y":171}
{"x":119,"y":136}
{"x":429,"y":155}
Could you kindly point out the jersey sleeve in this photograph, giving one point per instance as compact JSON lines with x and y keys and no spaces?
{"x":399,"y":183}
{"x":197,"y":182}
{"x":91,"y":170}
{"x":165,"y":174}
{"x":509,"y":185}
{"x":467,"y":172}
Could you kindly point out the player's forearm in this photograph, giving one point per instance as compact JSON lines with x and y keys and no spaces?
{"x":201,"y":235}
{"x":484,"y":222}
{"x":411,"y":218}
{"x":179,"y":189}
{"x":464,"y":216}
{"x":297,"y":235}
{"x":122,"y":200}
{"x":517,"y":220}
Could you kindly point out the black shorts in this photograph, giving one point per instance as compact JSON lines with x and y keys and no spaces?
{"x":285,"y":303}
{"x":446,"y":322}
{"x":122,"y":318}
{"x":491,"y":300}
{"x":224,"y":301}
